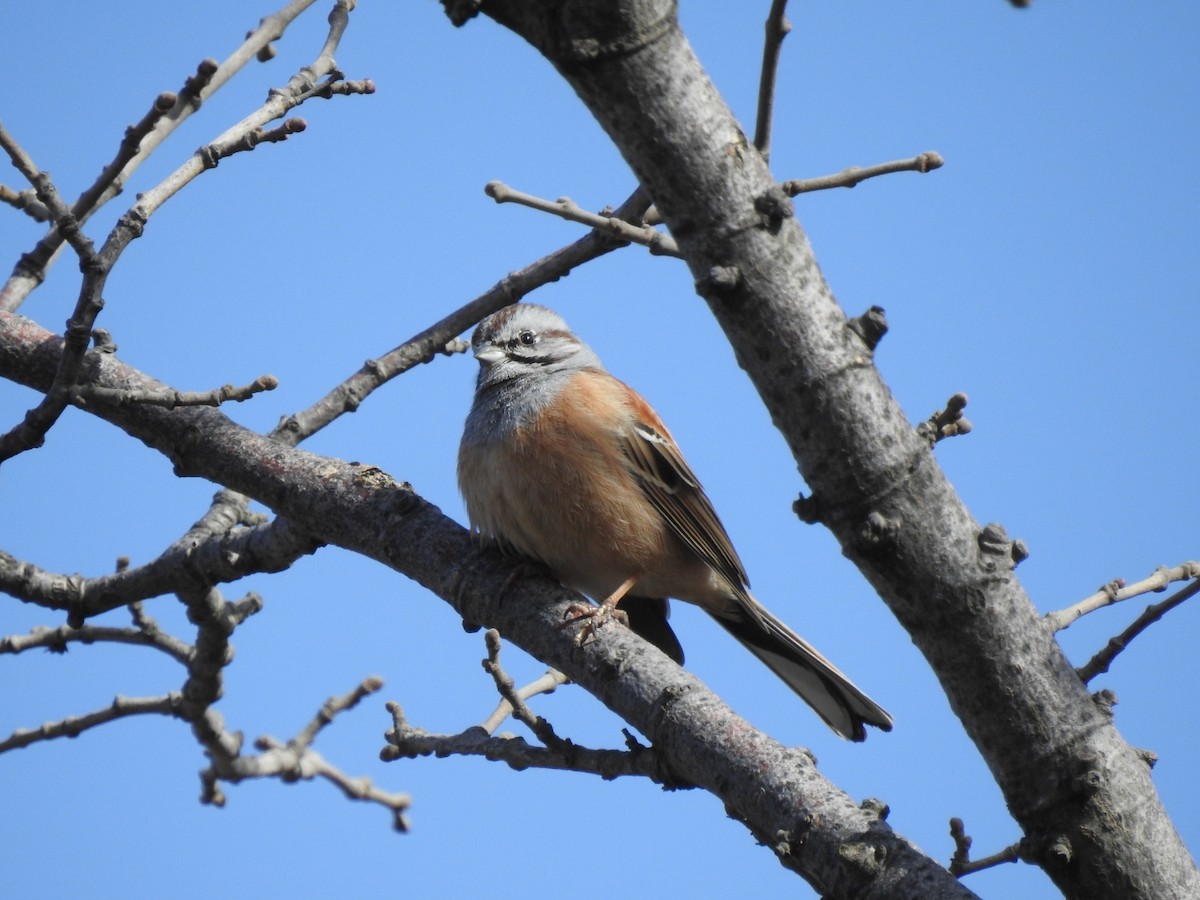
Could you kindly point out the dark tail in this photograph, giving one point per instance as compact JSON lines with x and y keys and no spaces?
{"x":831,"y":694}
{"x":648,"y":620}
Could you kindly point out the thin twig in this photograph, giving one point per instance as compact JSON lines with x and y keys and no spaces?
{"x":94,"y":394}
{"x":334,"y":705}
{"x":31,"y":431}
{"x":295,"y":760}
{"x":120,"y":708}
{"x":1116,"y":591}
{"x":522,"y":713}
{"x":659,"y":243}
{"x":33,"y":266}
{"x":1100,"y":663}
{"x":56,"y":640}
{"x":777,"y":28}
{"x":848,"y":178}
{"x":406,"y":741}
{"x":961,"y":864}
{"x":26,"y":201}
{"x":439,"y":338}
{"x":246,"y":134}
{"x":544,"y":684}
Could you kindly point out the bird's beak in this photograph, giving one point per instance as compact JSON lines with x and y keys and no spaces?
{"x":489,"y":354}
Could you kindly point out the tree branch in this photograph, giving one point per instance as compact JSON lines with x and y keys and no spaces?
{"x":875,"y":481}
{"x":773,"y":789}
{"x":202,"y":556}
{"x":32,"y":268}
{"x":658,"y":242}
{"x":848,"y":178}
{"x":121,"y":707}
{"x":1116,"y":591}
{"x":1100,"y":663}
{"x":777,"y":28}
{"x":439,"y":337}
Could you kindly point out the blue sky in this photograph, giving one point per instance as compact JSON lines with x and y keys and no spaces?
{"x":1047,"y":271}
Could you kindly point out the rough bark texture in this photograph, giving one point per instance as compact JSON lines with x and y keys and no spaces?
{"x":1090,"y":814}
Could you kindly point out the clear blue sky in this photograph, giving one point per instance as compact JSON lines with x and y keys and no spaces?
{"x":1048,"y":271}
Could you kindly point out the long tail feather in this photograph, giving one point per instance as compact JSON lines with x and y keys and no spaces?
{"x":833,"y":696}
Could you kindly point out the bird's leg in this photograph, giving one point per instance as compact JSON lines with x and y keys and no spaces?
{"x":596,"y":616}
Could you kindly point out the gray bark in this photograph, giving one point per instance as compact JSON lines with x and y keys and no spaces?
{"x":1083,"y":797}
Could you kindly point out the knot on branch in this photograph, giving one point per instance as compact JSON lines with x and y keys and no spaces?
{"x":194,"y":86}
{"x":947,"y":422}
{"x":807,"y":509}
{"x":870,"y":327}
{"x":719,"y":281}
{"x":997,"y":550}
{"x":774,"y":205}
{"x":877,"y":531}
{"x":460,"y":12}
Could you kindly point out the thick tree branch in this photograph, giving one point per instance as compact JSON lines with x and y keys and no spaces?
{"x":774,"y":790}
{"x":875,"y":482}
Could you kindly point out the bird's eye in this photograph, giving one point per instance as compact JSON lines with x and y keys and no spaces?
{"x":528,"y":338}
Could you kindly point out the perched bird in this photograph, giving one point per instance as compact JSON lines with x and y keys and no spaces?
{"x":567,"y":465}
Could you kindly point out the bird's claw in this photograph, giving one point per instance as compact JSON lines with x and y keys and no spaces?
{"x":596,"y":618}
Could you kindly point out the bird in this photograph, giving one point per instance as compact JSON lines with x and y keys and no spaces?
{"x":565,"y":464}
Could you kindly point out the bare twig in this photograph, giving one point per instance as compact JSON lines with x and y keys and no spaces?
{"x":26,"y":201}
{"x":777,"y":28}
{"x":57,"y":640}
{"x":32,"y":268}
{"x":121,"y":707}
{"x":295,"y":760}
{"x":516,"y":703}
{"x":1100,"y":663}
{"x":93,"y":394}
{"x":848,"y":178}
{"x":406,"y":741}
{"x":439,"y":337}
{"x":961,"y":864}
{"x":248,"y":133}
{"x":1116,"y":591}
{"x":334,"y":705}
{"x":245,"y":135}
{"x":545,"y":684}
{"x":31,"y":431}
{"x":658,"y":242}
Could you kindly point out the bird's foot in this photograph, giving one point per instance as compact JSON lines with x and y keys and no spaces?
{"x":593,"y":618}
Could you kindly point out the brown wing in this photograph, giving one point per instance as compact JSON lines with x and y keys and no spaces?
{"x":675,"y":492}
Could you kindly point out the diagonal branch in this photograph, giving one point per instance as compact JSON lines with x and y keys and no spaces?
{"x":1100,"y":663}
{"x":439,"y":337}
{"x":120,"y":708}
{"x":1117,"y":591}
{"x":775,"y":790}
{"x":32,"y":268}
{"x":877,"y":485}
